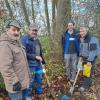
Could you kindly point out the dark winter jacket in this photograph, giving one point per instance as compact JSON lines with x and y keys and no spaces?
{"x":31,"y":44}
{"x":89,"y":47}
{"x":65,"y":41}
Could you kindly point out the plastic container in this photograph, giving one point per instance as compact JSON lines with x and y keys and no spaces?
{"x":87,"y":70}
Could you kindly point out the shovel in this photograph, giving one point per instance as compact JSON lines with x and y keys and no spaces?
{"x":72,"y":88}
{"x":47,"y":80}
{"x":79,"y":67}
{"x":46,"y":77}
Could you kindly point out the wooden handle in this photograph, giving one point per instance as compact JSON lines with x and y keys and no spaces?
{"x":48,"y":83}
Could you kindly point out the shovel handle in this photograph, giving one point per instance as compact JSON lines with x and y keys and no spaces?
{"x":76,"y":77}
{"x":72,"y":88}
{"x":46,"y":77}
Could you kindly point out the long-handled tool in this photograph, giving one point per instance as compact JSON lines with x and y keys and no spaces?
{"x":46,"y":77}
{"x":47,"y":80}
{"x":72,"y":88}
{"x":79,"y":67}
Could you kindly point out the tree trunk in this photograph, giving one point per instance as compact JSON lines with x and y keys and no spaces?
{"x":25,"y":11}
{"x":47,"y":16}
{"x":33,"y":16}
{"x":9,"y":8}
{"x":56,"y":1}
{"x":63,"y":15}
{"x":53,"y":16}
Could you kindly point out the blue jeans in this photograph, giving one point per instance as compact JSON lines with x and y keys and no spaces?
{"x":87,"y":82}
{"x":36,"y":83}
{"x":20,"y":95}
{"x":70,"y":61}
{"x":16,"y":96}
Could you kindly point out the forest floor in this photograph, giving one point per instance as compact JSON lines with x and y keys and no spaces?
{"x":59,"y":87}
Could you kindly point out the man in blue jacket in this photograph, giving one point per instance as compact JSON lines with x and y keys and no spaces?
{"x":89,"y":50}
{"x":35,"y":59}
{"x":70,"y":50}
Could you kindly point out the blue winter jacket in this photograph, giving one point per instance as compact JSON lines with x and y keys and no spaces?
{"x":65,"y":42}
{"x":30,"y":47}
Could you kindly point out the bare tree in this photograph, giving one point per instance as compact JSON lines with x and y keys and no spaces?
{"x":25,"y":11}
{"x":9,"y":8}
{"x":47,"y":16}
{"x":63,"y":15}
{"x":33,"y":16}
{"x":53,"y":16}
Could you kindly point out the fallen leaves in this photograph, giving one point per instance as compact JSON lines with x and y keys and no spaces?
{"x":59,"y":86}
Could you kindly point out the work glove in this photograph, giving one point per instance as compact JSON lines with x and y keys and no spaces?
{"x":17,"y":86}
{"x":81,"y":59}
{"x":39,"y":58}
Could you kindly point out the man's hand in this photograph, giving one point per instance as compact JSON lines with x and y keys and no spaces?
{"x":17,"y":86}
{"x":81,"y":59}
{"x":44,"y":71}
{"x":89,"y":63}
{"x":39,"y":58}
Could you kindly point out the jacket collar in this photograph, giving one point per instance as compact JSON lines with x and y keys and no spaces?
{"x":30,"y":38}
{"x":87,"y":37}
{"x":12,"y":40}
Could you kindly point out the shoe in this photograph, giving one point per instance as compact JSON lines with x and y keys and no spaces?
{"x":71,"y":80}
{"x":28,"y":98}
{"x":39,"y":90}
{"x":38,"y":97}
{"x":81,"y":89}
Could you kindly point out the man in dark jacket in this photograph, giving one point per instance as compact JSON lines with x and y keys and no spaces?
{"x":35,"y":59}
{"x":89,"y":50}
{"x":70,"y":50}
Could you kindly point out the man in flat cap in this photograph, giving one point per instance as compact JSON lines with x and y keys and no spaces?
{"x":13,"y":62}
{"x":35,"y":59}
